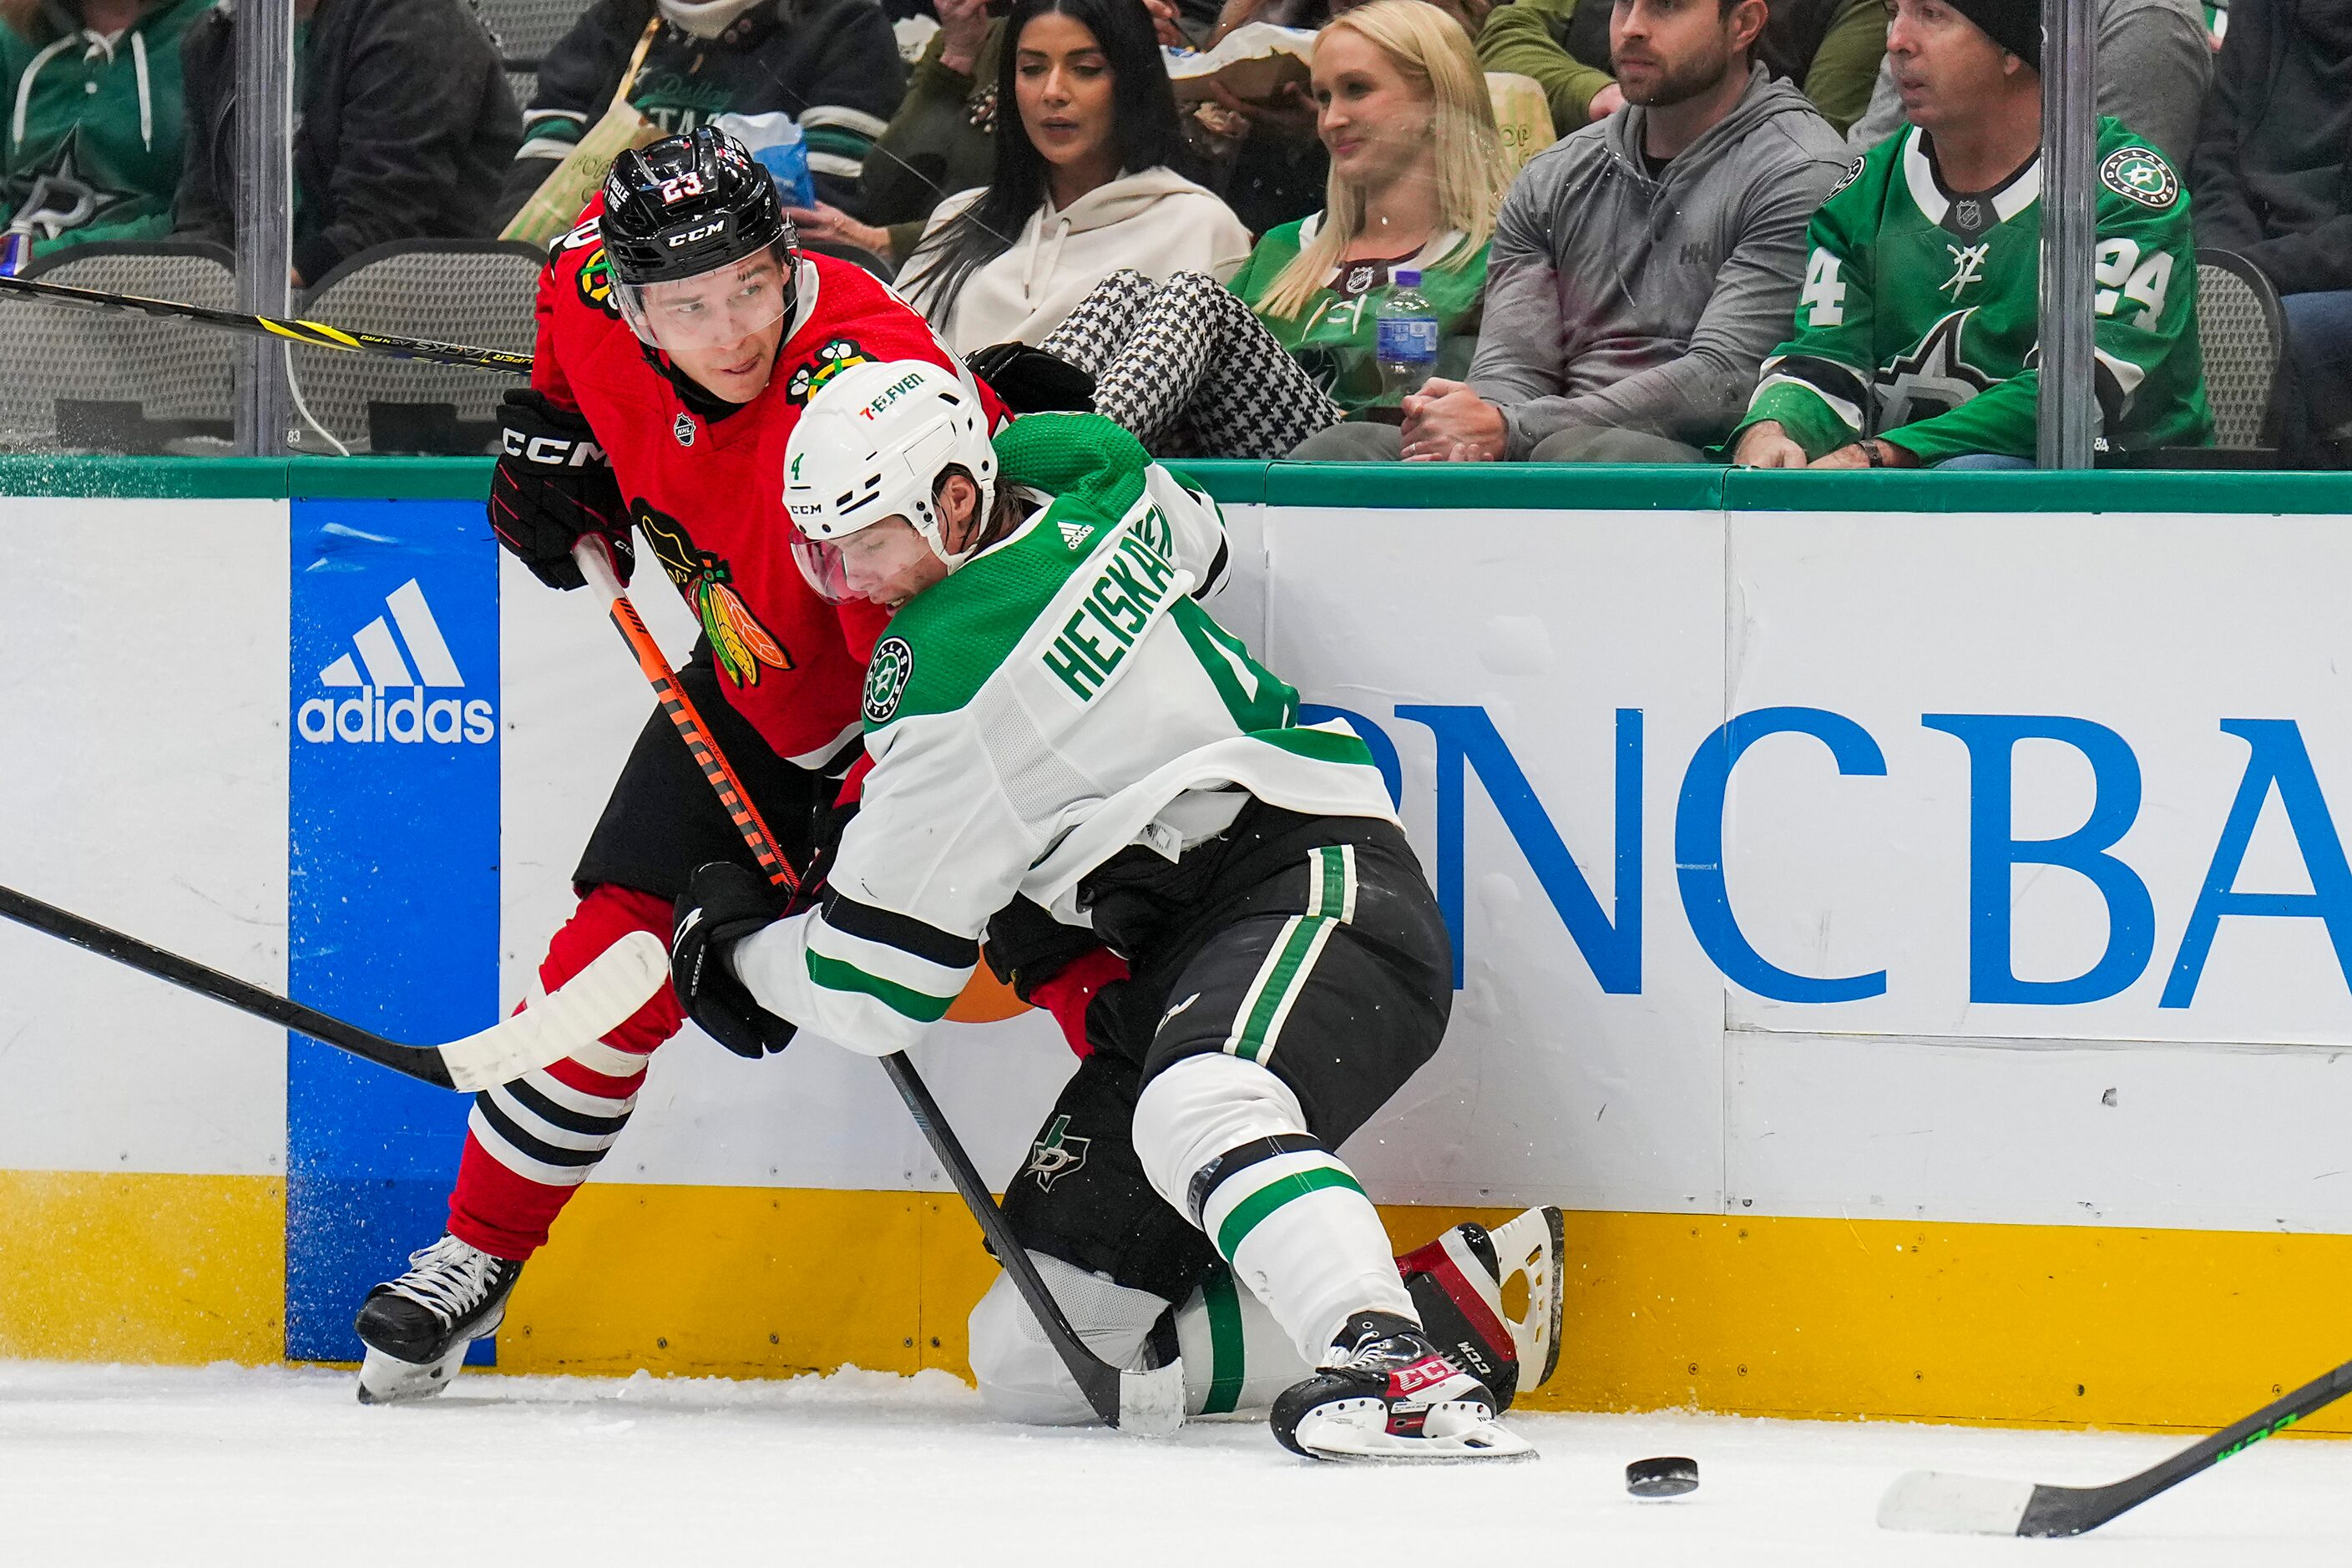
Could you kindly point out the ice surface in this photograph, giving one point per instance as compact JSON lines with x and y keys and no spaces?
{"x":229,"y":1465}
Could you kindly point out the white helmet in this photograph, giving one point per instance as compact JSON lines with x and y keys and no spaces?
{"x":871,"y":445}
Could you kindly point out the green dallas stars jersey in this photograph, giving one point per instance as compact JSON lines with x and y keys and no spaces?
{"x":1059,"y":697}
{"x":1919,"y":317}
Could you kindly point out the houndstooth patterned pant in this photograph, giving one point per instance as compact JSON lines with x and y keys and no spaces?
{"x":1188,"y":369}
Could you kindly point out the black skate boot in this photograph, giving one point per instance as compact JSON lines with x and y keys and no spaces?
{"x":1387,"y":1394}
{"x":1457,"y":1287}
{"x":416,"y":1328}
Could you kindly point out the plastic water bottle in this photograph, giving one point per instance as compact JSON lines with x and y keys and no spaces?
{"x":1405,"y":336}
{"x":775,"y":142}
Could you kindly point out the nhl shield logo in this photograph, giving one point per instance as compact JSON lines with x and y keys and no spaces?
{"x":1055,"y":1155}
{"x":684,"y":429}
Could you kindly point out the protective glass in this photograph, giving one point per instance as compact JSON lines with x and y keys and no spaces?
{"x":708,"y":310}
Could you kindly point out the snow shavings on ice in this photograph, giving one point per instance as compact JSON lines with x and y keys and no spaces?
{"x":103,"y":1464}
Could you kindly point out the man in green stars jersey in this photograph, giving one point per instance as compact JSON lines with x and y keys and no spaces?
{"x":1917,"y":333}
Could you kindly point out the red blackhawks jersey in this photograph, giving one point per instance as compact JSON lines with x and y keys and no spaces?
{"x":708,"y":497}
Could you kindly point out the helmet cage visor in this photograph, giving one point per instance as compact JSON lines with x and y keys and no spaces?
{"x":710,"y":310}
{"x":820,"y":564}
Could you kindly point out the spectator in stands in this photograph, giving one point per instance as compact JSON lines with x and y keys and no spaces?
{"x":941,"y":139}
{"x":94,"y":130}
{"x":2155,"y":63}
{"x":1917,"y":339}
{"x":1416,"y":180}
{"x":2273,"y":179}
{"x":1641,"y":267}
{"x":1830,"y":48}
{"x":1082,"y":183}
{"x":832,"y":65}
{"x":403,"y":125}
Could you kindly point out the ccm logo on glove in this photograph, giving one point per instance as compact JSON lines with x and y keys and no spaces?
{"x":554,"y":451}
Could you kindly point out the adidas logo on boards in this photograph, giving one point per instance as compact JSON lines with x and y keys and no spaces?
{"x":373,"y":713}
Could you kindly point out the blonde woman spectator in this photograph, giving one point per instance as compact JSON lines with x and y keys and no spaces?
{"x":1083,"y":184}
{"x":1417,"y":179}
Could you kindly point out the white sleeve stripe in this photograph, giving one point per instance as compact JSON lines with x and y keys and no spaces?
{"x":864,"y":124}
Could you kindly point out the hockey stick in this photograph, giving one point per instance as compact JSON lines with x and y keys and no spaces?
{"x":317,"y":335}
{"x":1979,"y":1505}
{"x":597,"y":568}
{"x":1151,"y":1403}
{"x":594,"y":1001}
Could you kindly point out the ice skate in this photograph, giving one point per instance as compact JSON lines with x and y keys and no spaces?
{"x":1458,"y":1286}
{"x":1389,"y":1394}
{"x":416,"y":1328}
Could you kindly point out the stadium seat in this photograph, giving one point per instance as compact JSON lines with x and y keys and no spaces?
{"x":525,"y":30}
{"x":472,"y":291}
{"x":2241,"y":333}
{"x":97,"y":380}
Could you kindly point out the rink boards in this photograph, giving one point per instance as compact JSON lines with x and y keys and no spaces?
{"x":1906,"y":922}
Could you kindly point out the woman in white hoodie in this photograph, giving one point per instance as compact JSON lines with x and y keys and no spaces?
{"x":1083,"y":186}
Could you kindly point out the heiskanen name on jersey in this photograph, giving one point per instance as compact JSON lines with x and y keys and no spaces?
{"x":1059,"y":697}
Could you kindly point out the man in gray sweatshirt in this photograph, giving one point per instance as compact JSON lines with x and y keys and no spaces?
{"x":1643,"y":267}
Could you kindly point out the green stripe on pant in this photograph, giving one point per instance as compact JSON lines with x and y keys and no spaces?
{"x":1252,"y":1211}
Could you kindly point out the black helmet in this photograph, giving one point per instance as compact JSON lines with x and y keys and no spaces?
{"x":686,"y":205}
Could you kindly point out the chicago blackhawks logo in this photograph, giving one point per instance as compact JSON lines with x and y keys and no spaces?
{"x":836,"y":355}
{"x":1057,"y":1154}
{"x":596,"y":283}
{"x":2140,"y":174}
{"x":738,"y":643}
{"x":886,"y":679}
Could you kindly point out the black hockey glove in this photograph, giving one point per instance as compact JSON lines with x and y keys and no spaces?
{"x":1026,"y":947}
{"x":1032,"y":381}
{"x":723,"y":904}
{"x":552,"y":487}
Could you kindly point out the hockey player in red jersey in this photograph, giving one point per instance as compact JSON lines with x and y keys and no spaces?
{"x":680,"y":333}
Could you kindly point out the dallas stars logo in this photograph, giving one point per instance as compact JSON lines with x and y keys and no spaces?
{"x":1967,"y":265}
{"x":54,"y":196}
{"x":886,"y":674}
{"x":1057,"y":1154}
{"x":1932,"y":379}
{"x":2139,"y":175}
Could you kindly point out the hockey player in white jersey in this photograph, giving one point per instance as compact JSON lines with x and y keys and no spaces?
{"x":1063,"y":740}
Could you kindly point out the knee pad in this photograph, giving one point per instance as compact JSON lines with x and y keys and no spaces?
{"x":1196,"y":1109}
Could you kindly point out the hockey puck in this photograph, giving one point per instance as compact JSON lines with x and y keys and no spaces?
{"x":1662,"y":1478}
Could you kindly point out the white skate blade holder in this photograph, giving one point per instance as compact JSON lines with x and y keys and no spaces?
{"x":1151,"y":1403}
{"x":1357,"y":1431}
{"x":589,"y":1005}
{"x":1949,"y":1504}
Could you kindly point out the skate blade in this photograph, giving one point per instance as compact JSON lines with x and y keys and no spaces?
{"x":388,"y":1380}
{"x":1534,"y":1244}
{"x":1346,"y":1441}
